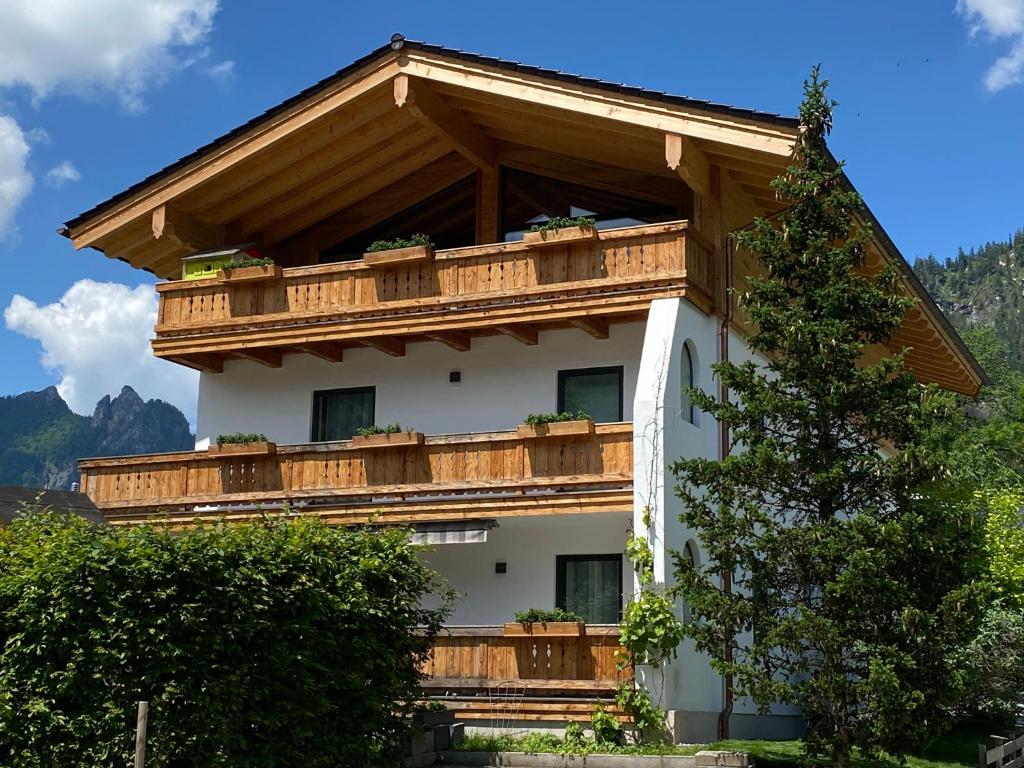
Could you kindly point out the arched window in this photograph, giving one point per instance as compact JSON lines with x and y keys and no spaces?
{"x":691,"y":556}
{"x":688,"y":380}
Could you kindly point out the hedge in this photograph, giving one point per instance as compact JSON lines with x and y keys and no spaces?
{"x":271,"y":644}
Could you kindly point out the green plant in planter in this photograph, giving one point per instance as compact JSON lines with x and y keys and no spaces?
{"x":399,"y":242}
{"x":236,"y":438}
{"x":561,"y":222}
{"x":536,"y":419}
{"x":387,"y":429}
{"x":545,"y":615}
{"x":247,"y":261}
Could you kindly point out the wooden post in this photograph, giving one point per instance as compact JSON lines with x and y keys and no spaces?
{"x":140,"y":734}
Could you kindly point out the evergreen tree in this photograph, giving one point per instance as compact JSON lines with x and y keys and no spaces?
{"x":851,"y":575}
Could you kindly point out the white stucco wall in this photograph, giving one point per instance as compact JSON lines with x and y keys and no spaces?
{"x":502,"y":381}
{"x":528,"y":545}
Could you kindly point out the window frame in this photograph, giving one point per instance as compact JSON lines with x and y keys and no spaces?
{"x":560,"y":562}
{"x":690,"y":416}
{"x":569,"y":372}
{"x":320,"y":395}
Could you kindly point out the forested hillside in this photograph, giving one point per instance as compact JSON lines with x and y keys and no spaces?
{"x":982,"y":288}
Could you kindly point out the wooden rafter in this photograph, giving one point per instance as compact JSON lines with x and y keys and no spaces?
{"x":272,"y":358}
{"x":523,"y":333}
{"x":457,"y":340}
{"x":683,"y":157}
{"x":592,"y":325}
{"x":330,"y":351}
{"x":388,"y":345}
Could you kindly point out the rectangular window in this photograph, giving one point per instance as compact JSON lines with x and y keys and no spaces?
{"x":338,"y":413}
{"x":591,"y":586}
{"x":595,"y":391}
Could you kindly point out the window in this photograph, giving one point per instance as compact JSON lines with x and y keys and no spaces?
{"x":688,"y":378}
{"x":692,"y":559}
{"x":338,"y":413}
{"x":595,"y":391}
{"x":591,"y":586}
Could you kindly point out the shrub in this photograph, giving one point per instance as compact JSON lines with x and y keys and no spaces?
{"x":247,"y":261}
{"x":399,"y":242}
{"x":561,"y":222}
{"x":537,"y":419}
{"x":387,"y":429}
{"x":274,"y":644}
{"x":994,"y":662}
{"x":236,"y":438}
{"x":543,"y":615}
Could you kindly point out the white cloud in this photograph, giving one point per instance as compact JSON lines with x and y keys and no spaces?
{"x":119,"y":46}
{"x":61,"y":174}
{"x":223,"y":71}
{"x":96,"y":337}
{"x":998,"y":19}
{"x":15,"y":179}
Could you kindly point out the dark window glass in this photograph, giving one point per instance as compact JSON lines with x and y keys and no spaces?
{"x":338,"y":413}
{"x":595,"y":391}
{"x":689,"y":381}
{"x":591,"y":586}
{"x":528,"y":199}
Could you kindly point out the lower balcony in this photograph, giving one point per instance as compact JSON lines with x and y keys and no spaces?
{"x":485,"y":674}
{"x":446,"y":477}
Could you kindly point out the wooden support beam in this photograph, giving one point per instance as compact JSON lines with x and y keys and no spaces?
{"x":330,"y":351}
{"x":452,"y":126}
{"x":272,"y":358}
{"x":457,"y":340}
{"x":393,"y":347}
{"x":174,"y":224}
{"x":683,"y":157}
{"x":595,"y":326}
{"x":526,"y":334}
{"x":206,"y":363}
{"x":488,"y":205}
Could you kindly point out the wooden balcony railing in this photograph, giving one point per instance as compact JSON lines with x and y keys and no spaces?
{"x":557,"y":678}
{"x":500,"y":288}
{"x":471,"y":475}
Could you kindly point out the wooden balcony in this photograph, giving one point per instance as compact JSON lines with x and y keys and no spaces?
{"x":477,"y":475}
{"x":509,"y":288}
{"x":479,"y":671}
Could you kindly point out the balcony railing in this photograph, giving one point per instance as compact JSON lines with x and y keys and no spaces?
{"x":469,"y":475}
{"x":498,"y":288}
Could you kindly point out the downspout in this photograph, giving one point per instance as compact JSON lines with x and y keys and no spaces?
{"x":723,"y":452}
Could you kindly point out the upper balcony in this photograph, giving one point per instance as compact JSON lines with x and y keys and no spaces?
{"x":512,"y":288}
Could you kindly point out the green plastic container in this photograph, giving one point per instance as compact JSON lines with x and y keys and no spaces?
{"x":205,"y":265}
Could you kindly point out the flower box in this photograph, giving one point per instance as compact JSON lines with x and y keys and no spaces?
{"x":243,"y":449}
{"x":387,"y":440}
{"x":257,"y":274}
{"x":398,"y":256}
{"x":549,"y":237}
{"x":555,"y":429}
{"x":545,"y":629}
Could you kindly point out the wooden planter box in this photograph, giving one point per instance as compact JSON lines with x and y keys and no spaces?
{"x":545,"y":629}
{"x":555,"y":428}
{"x":398,"y":256}
{"x":242,"y":449}
{"x":391,"y":440}
{"x":256,"y":274}
{"x":559,"y":236}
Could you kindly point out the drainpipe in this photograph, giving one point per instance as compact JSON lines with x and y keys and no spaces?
{"x":723,"y":452}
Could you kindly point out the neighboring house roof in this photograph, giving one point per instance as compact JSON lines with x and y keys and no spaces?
{"x":398,"y":42}
{"x":14,"y":497}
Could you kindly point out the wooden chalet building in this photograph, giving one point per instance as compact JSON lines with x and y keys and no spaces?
{"x":459,"y":343}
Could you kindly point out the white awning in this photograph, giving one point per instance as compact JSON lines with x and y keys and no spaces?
{"x":455,"y":532}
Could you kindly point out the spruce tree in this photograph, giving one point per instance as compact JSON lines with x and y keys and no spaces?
{"x":851,"y":573}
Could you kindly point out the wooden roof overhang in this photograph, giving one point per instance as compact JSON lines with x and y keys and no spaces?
{"x":338,"y":158}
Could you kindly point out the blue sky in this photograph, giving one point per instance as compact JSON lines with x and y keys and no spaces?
{"x":930,"y":121}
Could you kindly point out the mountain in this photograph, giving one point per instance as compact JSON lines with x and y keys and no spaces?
{"x":982,"y":288}
{"x":41,"y":438}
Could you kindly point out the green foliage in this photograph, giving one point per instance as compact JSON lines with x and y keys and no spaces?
{"x":239,"y":438}
{"x":647,"y":720}
{"x":537,"y":419}
{"x":561,"y":222}
{"x":283,"y":643}
{"x":1004,"y":541}
{"x":606,"y":727}
{"x":544,"y":615}
{"x":853,"y":574}
{"x":639,"y":551}
{"x":573,"y":743}
{"x":994,"y":663}
{"x":399,"y":242}
{"x":247,"y":261}
{"x":650,"y":631}
{"x":387,"y":429}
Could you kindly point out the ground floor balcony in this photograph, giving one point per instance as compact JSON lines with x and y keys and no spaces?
{"x":485,"y":673}
{"x":436,"y":478}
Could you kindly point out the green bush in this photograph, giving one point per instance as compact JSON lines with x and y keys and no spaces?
{"x":543,"y":615}
{"x":387,"y":429}
{"x":266,"y":645}
{"x":399,"y":242}
{"x":561,"y":222}
{"x":994,"y":663}
{"x":236,"y":438}
{"x":537,"y":419}
{"x":247,"y":261}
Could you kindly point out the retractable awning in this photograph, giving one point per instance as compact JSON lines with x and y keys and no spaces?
{"x":455,"y":532}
